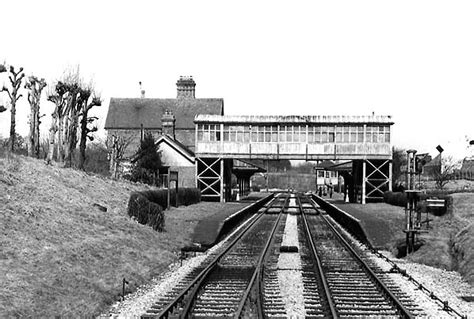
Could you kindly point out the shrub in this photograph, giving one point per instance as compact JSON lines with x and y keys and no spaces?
{"x":186,"y":196}
{"x":145,"y":211}
{"x":189,"y":196}
{"x":158,"y":196}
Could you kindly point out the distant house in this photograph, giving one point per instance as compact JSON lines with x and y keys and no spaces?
{"x":432,"y":168}
{"x":467,"y":169}
{"x":171,"y":121}
{"x":325,"y":175}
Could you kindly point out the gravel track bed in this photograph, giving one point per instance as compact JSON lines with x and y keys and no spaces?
{"x":290,"y":278}
{"x":447,"y":285}
{"x":143,"y":298}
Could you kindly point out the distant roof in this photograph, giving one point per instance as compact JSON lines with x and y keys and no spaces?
{"x":176,"y":145}
{"x":324,"y":164}
{"x":276,"y":119}
{"x":242,"y":165}
{"x":132,"y":112}
{"x":435,"y":161}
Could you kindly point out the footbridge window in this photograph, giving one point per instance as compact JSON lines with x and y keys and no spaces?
{"x":378,"y":134}
{"x":237,"y":133}
{"x":293,"y":133}
{"x":264,"y":133}
{"x":209,"y":132}
{"x":349,"y":134}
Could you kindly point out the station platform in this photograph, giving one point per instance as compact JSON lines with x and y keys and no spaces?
{"x":382,"y":223}
{"x":208,"y":231}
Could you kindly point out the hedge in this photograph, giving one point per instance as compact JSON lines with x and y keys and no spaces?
{"x":145,"y":211}
{"x":147,"y":206}
{"x":186,"y":196}
{"x":395,"y":198}
{"x":189,"y":196}
{"x":400,"y":199}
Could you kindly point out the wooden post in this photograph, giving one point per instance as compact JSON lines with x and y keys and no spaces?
{"x":390,"y":176}
{"x":222,"y":180}
{"x":364,"y":179}
{"x":168,"y":185}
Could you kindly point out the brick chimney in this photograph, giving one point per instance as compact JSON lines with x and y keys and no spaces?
{"x":168,"y":121}
{"x":186,"y":87}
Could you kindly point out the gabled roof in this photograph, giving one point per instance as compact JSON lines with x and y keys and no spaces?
{"x":241,"y":165}
{"x":131,"y":113}
{"x":177,"y":146}
{"x":324,"y":165}
{"x":434,"y":162}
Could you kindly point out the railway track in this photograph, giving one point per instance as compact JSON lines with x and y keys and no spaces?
{"x":289,"y":261}
{"x":222,"y":286}
{"x":355,"y":287}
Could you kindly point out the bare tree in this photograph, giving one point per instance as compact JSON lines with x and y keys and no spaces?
{"x":87,"y":104}
{"x":58,"y":97}
{"x":2,"y":69}
{"x":35,"y":88}
{"x":16,"y":78}
{"x":73,"y":100}
{"x":117,"y":146}
{"x":71,"y":122}
{"x":442,"y":174}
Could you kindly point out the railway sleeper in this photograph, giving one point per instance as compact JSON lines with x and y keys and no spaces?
{"x":213,"y":311}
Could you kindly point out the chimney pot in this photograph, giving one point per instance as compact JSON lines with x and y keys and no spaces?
{"x":168,"y":121}
{"x":186,"y":87}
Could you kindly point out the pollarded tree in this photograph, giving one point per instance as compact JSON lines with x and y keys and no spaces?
{"x":2,"y":69}
{"x":35,"y":88}
{"x":16,"y":77}
{"x":87,"y":101}
{"x":58,"y":97}
{"x":73,"y":100}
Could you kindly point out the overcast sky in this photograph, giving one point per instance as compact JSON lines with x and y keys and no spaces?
{"x":413,"y":60}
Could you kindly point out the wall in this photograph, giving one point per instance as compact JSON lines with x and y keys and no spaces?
{"x":178,"y":162}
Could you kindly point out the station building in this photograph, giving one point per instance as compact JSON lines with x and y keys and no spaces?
{"x":169,"y":120}
{"x":207,"y":147}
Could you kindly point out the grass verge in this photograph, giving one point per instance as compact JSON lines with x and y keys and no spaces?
{"x":60,"y":255}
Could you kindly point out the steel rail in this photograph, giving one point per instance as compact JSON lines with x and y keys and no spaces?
{"x":318,"y":266}
{"x":395,"y":301}
{"x":259,"y":268}
{"x":199,"y":278}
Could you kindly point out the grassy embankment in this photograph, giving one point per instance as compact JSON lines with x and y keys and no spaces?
{"x":448,"y":244}
{"x":62,"y":256}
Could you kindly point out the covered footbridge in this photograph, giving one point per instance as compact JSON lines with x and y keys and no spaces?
{"x":363,"y":140}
